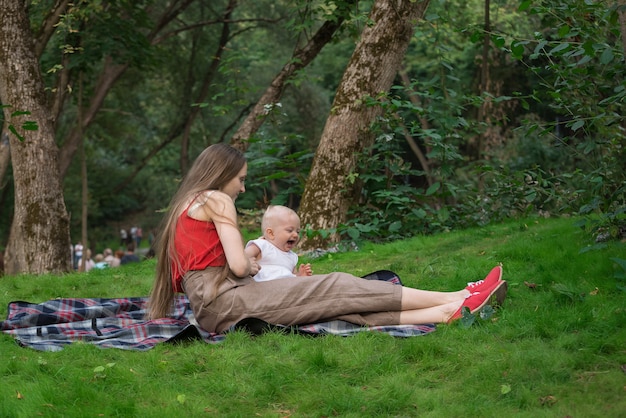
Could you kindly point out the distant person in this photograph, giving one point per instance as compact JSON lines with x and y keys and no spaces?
{"x":130,"y":256}
{"x":119,"y":254}
{"x":89,"y":263}
{"x":110,"y":259}
{"x":138,"y":236}
{"x":99,"y":262}
{"x":78,"y":254}
{"x":274,"y":251}
{"x":123,"y":237}
{"x":133,"y":234}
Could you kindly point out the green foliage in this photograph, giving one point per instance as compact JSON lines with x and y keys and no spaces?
{"x":388,"y":206}
{"x":276,"y":173}
{"x":578,"y":63}
{"x":559,"y":147}
{"x":565,"y":156}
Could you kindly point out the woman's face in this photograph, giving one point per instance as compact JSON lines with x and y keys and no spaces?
{"x":237,"y":184}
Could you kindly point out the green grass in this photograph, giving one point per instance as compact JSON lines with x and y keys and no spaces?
{"x":555,"y":349}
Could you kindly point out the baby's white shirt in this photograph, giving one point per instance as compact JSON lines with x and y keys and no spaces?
{"x":275,"y":263}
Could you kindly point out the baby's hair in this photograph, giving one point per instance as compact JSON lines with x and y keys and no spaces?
{"x":272,"y":213}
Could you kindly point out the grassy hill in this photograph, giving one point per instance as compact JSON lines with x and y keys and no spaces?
{"x":557,"y":348}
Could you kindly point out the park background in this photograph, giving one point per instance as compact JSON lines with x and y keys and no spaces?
{"x":494,"y":110}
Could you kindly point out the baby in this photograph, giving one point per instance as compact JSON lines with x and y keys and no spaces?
{"x":274,"y":251}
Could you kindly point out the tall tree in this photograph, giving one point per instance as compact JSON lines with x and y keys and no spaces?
{"x":39,"y":239}
{"x":374,"y":64}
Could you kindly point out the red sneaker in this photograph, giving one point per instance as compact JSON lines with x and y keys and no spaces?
{"x":494,"y":276}
{"x":477,"y":300}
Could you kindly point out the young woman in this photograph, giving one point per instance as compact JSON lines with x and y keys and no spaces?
{"x":201,"y":252}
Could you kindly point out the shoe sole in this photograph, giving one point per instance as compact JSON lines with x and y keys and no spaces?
{"x":498,"y":296}
{"x":498,"y":293}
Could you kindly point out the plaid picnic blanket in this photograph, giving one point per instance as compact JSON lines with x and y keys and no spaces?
{"x":115,"y":322}
{"x":120,"y":323}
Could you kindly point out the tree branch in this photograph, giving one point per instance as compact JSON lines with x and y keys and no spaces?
{"x":49,"y":25}
{"x":208,"y":23}
{"x":300,"y":59}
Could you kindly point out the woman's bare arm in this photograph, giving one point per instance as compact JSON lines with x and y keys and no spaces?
{"x":224,"y":215}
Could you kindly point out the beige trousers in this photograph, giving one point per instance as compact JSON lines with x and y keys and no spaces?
{"x":291,"y":301}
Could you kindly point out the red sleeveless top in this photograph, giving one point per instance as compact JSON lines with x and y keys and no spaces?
{"x":198,"y":246}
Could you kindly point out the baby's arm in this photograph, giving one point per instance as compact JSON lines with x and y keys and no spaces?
{"x":304,"y":270}
{"x":253,"y":252}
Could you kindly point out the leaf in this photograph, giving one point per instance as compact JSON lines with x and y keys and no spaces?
{"x":433,"y":188}
{"x":468,"y":318}
{"x":476,"y":37}
{"x":517,"y":49}
{"x":540,"y":46}
{"x":526,"y":106}
{"x":181,"y":399}
{"x":577,"y":125}
{"x":505,"y":388}
{"x":30,"y":125}
{"x":395,"y":226}
{"x":354,"y":233}
{"x":498,"y":41}
{"x":530,"y":285}
{"x":20,"y":113}
{"x":98,"y":369}
{"x":524,"y":5}
{"x":14,"y":131}
{"x":486,"y":312}
{"x":607,"y":56}
{"x":547,"y":400}
{"x":563,"y":290}
{"x":560,"y":47}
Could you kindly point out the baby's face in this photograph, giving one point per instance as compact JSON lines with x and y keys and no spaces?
{"x":286,"y":232}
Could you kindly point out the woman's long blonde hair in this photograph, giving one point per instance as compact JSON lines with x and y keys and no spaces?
{"x":213,"y":169}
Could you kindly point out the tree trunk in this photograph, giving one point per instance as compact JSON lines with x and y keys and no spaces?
{"x":39,"y":239}
{"x":84,"y":213}
{"x":371,"y":70}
